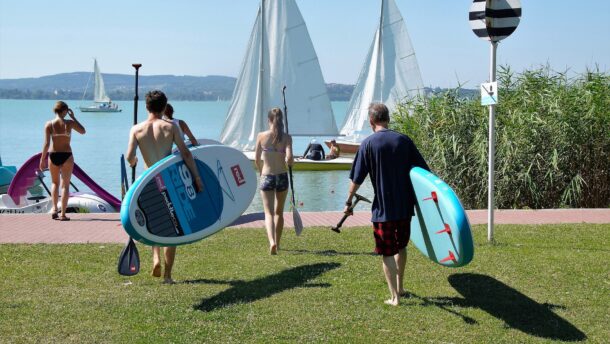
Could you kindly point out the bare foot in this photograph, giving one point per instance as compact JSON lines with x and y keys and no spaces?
{"x":273,"y":250}
{"x":168,"y":281}
{"x":392,"y":302}
{"x":156,"y":271}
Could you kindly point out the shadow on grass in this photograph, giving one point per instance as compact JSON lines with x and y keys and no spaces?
{"x":517,"y":310}
{"x":247,"y":218}
{"x":245,"y":292}
{"x":330,"y":253}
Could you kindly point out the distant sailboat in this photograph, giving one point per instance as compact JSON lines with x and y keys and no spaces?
{"x":101,"y":100}
{"x":390,"y":74}
{"x":280,"y":52}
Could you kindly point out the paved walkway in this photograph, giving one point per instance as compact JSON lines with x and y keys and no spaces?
{"x":106,"y":228}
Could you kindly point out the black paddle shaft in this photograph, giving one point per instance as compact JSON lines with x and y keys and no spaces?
{"x":345,"y":216}
{"x":288,"y":133}
{"x":135,"y":113}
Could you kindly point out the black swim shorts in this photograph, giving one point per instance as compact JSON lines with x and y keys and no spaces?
{"x":272,"y":182}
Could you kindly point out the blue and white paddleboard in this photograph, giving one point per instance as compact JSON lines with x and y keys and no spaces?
{"x":440,"y":227}
{"x":162,"y":207}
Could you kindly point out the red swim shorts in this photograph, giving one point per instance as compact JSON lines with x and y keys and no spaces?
{"x":392,"y":236}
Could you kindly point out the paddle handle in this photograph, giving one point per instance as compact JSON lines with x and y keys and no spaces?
{"x":345,"y":216}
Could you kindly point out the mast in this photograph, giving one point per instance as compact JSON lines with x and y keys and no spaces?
{"x":261,"y":71}
{"x":379,"y":53}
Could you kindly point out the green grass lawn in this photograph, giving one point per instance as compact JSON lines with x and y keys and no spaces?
{"x":536,"y":284}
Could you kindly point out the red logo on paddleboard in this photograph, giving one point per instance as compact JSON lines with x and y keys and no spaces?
{"x":238,"y":175}
{"x":160,"y":183}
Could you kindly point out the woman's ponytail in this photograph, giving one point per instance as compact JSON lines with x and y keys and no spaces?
{"x":276,"y":117}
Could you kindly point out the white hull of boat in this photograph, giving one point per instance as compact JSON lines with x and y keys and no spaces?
{"x":95,"y":108}
{"x":301,"y":164}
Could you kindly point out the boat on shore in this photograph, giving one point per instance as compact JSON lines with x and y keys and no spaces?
{"x":303,"y":164}
{"x":21,"y":198}
{"x":101,"y":101}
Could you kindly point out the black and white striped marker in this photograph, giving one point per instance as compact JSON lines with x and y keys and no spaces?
{"x":494,"y":20}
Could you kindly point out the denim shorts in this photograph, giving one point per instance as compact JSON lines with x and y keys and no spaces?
{"x":272,"y":182}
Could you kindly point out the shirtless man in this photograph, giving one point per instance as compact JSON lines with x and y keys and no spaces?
{"x":155,"y":137}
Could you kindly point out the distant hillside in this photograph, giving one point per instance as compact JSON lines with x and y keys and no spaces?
{"x":120,"y":87}
{"x":70,"y":86}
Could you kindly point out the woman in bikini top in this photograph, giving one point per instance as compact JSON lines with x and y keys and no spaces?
{"x":273,"y":153}
{"x":60,"y":161}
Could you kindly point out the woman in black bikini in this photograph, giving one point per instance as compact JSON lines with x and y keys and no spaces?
{"x":60,"y":161}
{"x":273,"y":153}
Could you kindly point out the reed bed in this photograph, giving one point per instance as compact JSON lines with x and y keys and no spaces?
{"x":552,"y":140}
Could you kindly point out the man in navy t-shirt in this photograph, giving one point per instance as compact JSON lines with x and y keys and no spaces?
{"x":387,"y":157}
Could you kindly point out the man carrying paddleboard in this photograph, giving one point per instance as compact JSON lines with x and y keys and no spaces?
{"x":387,"y":157}
{"x":155,"y":137}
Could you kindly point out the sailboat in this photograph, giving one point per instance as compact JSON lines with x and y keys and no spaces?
{"x":390,"y":74}
{"x":102,"y":102}
{"x":280,"y":53}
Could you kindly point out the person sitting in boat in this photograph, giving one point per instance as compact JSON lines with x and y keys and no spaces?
{"x":314,"y":151}
{"x":334,"y":150}
{"x":61,"y":161}
{"x":182,"y":126}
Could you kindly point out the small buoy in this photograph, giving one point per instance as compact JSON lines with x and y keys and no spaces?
{"x":332,"y":191}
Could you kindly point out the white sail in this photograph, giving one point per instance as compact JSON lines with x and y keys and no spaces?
{"x":280,"y":53}
{"x":99,"y":92}
{"x":390,"y":73}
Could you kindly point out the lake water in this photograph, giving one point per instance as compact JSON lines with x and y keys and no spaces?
{"x":99,"y":150}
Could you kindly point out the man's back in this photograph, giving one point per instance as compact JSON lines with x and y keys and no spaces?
{"x":388,"y":156}
{"x":155,"y":138}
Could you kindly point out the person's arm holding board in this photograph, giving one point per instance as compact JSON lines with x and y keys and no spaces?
{"x":187,"y":156}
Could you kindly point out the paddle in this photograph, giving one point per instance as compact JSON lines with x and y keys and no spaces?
{"x":345,"y":216}
{"x":296,"y":217}
{"x":129,"y":260}
{"x":135,"y":114}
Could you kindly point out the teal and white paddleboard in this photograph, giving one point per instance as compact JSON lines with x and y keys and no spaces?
{"x":440,"y":227}
{"x":162,"y":207}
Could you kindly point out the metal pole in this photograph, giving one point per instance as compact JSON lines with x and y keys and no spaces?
{"x":492,"y":148}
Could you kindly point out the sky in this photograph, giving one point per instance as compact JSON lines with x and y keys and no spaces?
{"x":188,"y":37}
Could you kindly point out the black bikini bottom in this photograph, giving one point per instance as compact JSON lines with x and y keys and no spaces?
{"x":58,"y":158}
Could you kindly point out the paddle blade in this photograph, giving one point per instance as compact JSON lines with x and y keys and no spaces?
{"x":129,"y":261}
{"x":298,"y":223}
